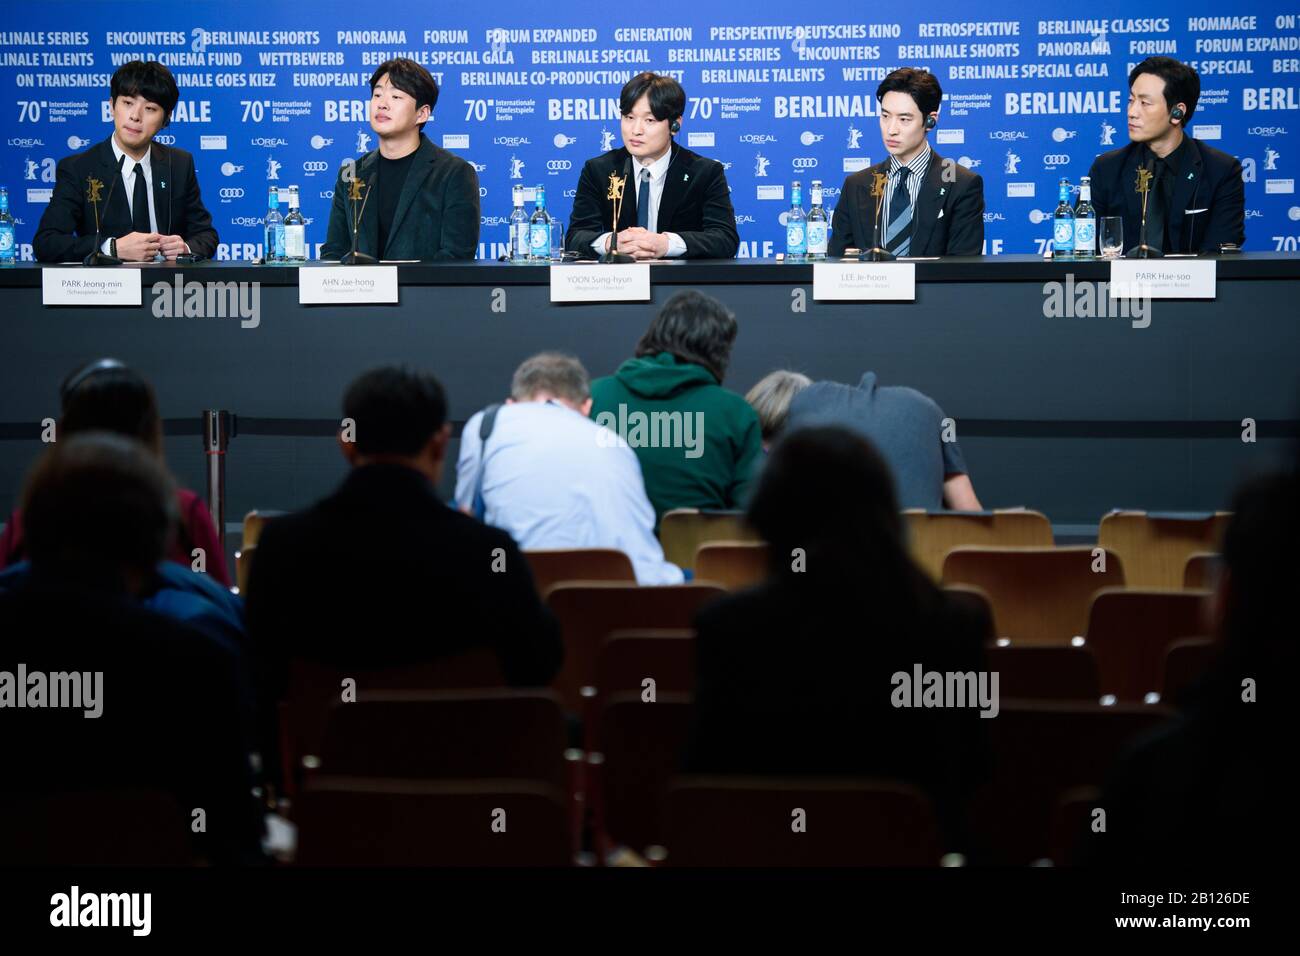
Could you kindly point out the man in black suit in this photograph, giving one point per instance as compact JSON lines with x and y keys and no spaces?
{"x":1196,"y":200}
{"x":932,"y":205}
{"x":676,"y":202}
{"x":382,"y":573}
{"x":417,"y":200}
{"x":148,"y":195}
{"x":163,"y":706}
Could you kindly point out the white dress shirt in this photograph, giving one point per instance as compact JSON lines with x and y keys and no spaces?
{"x":550,"y":481}
{"x":658,"y":171}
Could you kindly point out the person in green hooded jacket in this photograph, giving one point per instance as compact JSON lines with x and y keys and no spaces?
{"x":698,"y":443}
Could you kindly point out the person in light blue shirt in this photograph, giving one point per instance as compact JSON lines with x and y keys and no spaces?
{"x":552,"y":478}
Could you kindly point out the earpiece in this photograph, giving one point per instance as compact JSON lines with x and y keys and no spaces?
{"x":676,"y":127}
{"x":930,"y":123}
{"x":1176,"y":113}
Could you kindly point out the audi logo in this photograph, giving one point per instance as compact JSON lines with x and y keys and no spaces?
{"x":805,"y":162}
{"x":1056,"y":159}
{"x":166,"y":139}
{"x":231,"y":192}
{"x":315,"y":166}
{"x":555,"y":165}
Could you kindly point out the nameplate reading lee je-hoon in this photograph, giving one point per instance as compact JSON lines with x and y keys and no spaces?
{"x":1163,"y":278}
{"x":90,"y":287}
{"x":629,"y":282}
{"x":864,"y":281}
{"x":347,"y":285}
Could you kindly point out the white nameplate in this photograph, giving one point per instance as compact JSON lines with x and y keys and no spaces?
{"x":864,"y":281}
{"x":347,"y":285}
{"x":107,"y":286}
{"x":615,"y":282}
{"x":1163,"y":278}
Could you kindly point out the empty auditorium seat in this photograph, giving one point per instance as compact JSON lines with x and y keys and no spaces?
{"x":1186,"y":662}
{"x":254,"y":522}
{"x":1045,"y":673}
{"x":932,"y":534}
{"x":1039,"y":595}
{"x":758,"y":821}
{"x":683,"y":530}
{"x":551,"y":566}
{"x":589,"y":613}
{"x":1155,"y":546}
{"x":732,"y":564}
{"x":1201,"y":571}
{"x":1041,"y":750}
{"x":350,"y":821}
{"x":1130,"y":631}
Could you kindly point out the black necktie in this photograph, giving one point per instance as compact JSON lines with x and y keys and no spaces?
{"x":898,"y":234}
{"x":139,"y":202}
{"x":1158,"y":206}
{"x":643,"y":201}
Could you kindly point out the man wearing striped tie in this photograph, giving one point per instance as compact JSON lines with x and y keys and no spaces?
{"x":933,"y":206}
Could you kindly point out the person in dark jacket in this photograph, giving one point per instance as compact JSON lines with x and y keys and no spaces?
{"x":698,"y":443}
{"x":799,"y":676}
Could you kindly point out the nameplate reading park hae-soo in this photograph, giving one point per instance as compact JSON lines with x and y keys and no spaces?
{"x":347,"y":285}
{"x":1163,"y":278}
{"x":864,"y":281}
{"x":80,"y":286}
{"x":629,"y":282}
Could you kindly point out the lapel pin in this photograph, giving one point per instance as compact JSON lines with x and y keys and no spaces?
{"x":943,"y":190}
{"x":1189,"y":175}
{"x":685,"y":176}
{"x":162,"y":184}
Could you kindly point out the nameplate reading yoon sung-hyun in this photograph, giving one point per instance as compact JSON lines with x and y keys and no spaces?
{"x":91,"y":287}
{"x":347,"y":285}
{"x":1163,"y":278}
{"x":601,"y":283}
{"x":864,"y":281}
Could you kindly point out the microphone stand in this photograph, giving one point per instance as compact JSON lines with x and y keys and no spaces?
{"x":615,"y":195}
{"x":1143,"y":250}
{"x":356,"y":257}
{"x":877,"y":252}
{"x":97,"y":256}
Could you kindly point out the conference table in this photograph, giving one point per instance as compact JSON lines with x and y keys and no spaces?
{"x":1072,"y":414}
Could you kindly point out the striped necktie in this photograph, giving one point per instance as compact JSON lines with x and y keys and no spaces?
{"x":898,"y":234}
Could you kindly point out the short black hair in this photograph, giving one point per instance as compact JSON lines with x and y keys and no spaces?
{"x":150,"y":81}
{"x":97,"y":503}
{"x":695,"y":328}
{"x":921,"y":86}
{"x":105,"y":395}
{"x":1182,"y":83}
{"x":411,"y":78}
{"x":666,"y":96}
{"x":396,"y":410}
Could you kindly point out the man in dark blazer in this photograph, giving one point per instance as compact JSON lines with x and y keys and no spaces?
{"x":676,"y":203}
{"x":932,"y":205}
{"x":149,"y":206}
{"x":1196,"y":200}
{"x":415,"y":199}
{"x":382,"y":573}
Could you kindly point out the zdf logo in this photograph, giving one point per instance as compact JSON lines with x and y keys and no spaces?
{"x":804,"y":162}
{"x":229,"y":169}
{"x":558,"y":165}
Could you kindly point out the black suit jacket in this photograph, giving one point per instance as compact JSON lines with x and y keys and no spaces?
{"x":696,"y":204}
{"x":67,"y":229}
{"x":437,"y":215}
{"x":1210,"y":179}
{"x":175,"y":711}
{"x":382,"y":573}
{"x":948,"y":219}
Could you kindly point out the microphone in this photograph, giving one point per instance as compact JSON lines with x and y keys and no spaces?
{"x":97,"y":256}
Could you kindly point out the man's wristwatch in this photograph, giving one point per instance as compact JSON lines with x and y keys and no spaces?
{"x":112,"y":246}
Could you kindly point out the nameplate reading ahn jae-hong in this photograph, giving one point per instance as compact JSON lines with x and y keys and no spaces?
{"x":627,"y":282}
{"x":91,"y":287}
{"x":864,"y":281}
{"x":347,"y":285}
{"x":1168,"y":278}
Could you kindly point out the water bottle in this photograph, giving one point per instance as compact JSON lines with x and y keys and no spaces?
{"x":295,"y":230}
{"x":796,"y":232}
{"x":818,"y":233}
{"x":539,"y":230}
{"x":1085,"y":223}
{"x":518,"y":227}
{"x":6,"y":230}
{"x":273,"y":250}
{"x":1063,"y":224}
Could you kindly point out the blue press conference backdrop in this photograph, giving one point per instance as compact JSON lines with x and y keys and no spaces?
{"x":276,"y":92}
